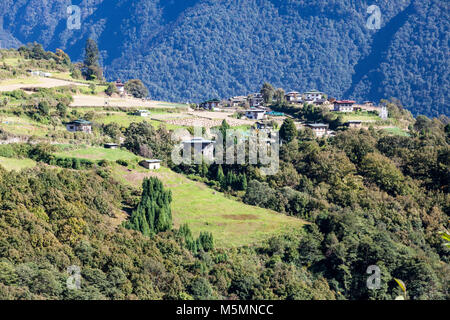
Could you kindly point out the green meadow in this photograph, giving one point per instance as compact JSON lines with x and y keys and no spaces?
{"x":397,"y":131}
{"x":124,"y":120}
{"x":97,"y":153}
{"x":11,"y":164}
{"x":231,"y":222}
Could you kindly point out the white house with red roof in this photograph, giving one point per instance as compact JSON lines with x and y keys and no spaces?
{"x":344,"y":105}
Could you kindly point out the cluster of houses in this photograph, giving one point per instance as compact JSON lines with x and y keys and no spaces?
{"x":256,"y":110}
{"x":254,"y":103}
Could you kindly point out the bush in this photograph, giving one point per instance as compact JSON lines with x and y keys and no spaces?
{"x":122,"y":162}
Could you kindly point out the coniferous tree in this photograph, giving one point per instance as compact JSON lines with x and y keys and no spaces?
{"x":221,"y":177}
{"x":91,"y":67}
{"x":153,"y":214}
{"x":244,"y":182}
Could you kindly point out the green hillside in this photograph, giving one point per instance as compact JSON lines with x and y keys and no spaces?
{"x":231,"y":222}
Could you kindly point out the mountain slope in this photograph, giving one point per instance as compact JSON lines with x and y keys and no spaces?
{"x":199,"y":49}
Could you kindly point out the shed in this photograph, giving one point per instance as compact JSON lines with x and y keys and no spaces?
{"x":152,"y":164}
{"x":111,"y":145}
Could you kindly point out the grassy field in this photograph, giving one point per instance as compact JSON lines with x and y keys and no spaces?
{"x":87,"y":90}
{"x":13,"y":62}
{"x":363,"y":116}
{"x":16,"y":164}
{"x":124,"y":120}
{"x":98,"y":153}
{"x":397,"y":131}
{"x":23,"y":126}
{"x":231,"y":222}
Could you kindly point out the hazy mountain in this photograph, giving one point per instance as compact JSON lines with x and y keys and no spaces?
{"x":191,"y":50}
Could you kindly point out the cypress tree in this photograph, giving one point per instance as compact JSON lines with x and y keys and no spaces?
{"x":244,"y":182}
{"x":153,"y":213}
{"x":221,"y":177}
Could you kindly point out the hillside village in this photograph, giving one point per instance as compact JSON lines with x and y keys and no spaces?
{"x":254,"y":107}
{"x":87,"y":178}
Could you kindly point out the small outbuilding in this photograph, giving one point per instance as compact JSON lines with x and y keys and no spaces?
{"x":151,"y":164}
{"x":142,"y":113}
{"x":111,"y":145}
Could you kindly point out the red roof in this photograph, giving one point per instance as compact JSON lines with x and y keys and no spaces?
{"x":344,"y":101}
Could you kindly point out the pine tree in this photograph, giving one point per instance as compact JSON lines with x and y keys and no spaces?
{"x":91,"y":68}
{"x":205,"y":240}
{"x":244,"y":182}
{"x":189,"y":241}
{"x":221,"y":177}
{"x":153,"y":213}
{"x":229,"y":179}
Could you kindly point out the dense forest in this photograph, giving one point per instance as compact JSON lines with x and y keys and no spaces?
{"x":201,"y":49}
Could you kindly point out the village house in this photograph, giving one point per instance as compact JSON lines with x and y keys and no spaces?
{"x":255,"y":114}
{"x":151,"y":164}
{"x":120,"y":87}
{"x":210,"y":104}
{"x":238,"y":101}
{"x":293,"y":97}
{"x":256,"y":100}
{"x":198,"y":144}
{"x":314,"y":96}
{"x":319,"y":129}
{"x":79,"y":125}
{"x":344,"y":105}
{"x":355,"y":124}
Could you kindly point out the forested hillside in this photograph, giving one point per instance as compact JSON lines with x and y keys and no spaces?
{"x":199,"y":49}
{"x":337,"y":205}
